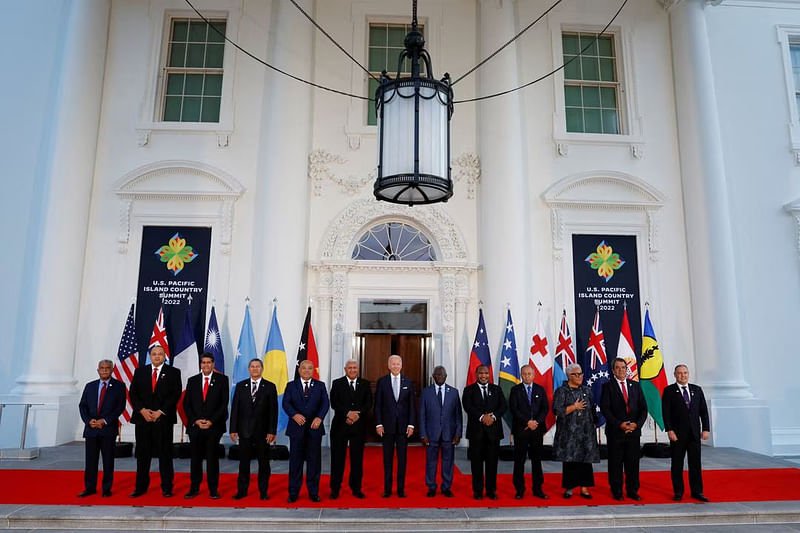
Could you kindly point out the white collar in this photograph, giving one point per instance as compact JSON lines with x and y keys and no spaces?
{"x":158,"y":368}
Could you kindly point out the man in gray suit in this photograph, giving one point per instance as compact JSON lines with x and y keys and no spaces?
{"x":440,"y":425}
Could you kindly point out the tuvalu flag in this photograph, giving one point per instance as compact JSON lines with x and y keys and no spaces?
{"x":245,"y":350}
{"x":307,"y":348}
{"x":479,"y":355}
{"x":275,"y":369}
{"x":509,"y":365}
{"x":653,"y":377}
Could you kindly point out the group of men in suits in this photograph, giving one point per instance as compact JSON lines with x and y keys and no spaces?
{"x":156,"y":389}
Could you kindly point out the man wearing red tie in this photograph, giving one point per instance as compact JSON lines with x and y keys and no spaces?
{"x":155,"y":391}
{"x":622,"y":403}
{"x":101,"y":405}
{"x":206,"y":407}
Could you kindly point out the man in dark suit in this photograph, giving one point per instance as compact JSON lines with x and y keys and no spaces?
{"x":685,"y":412}
{"x":485,"y":404}
{"x":528,"y":404}
{"x":254,"y":422}
{"x":440,"y":428}
{"x":305,"y":402}
{"x":395,"y":418}
{"x":101,"y":405}
{"x":206,"y":407}
{"x":625,"y":408}
{"x":351,"y":400}
{"x":155,"y":391}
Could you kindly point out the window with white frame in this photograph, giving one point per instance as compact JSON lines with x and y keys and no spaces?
{"x":794,"y":54}
{"x":591,"y":83}
{"x":192,"y":71}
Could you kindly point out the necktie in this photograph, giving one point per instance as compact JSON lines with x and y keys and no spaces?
{"x":396,"y":387}
{"x":305,"y":389}
{"x":483,"y":392}
{"x":440,"y":394}
{"x":353,"y":385}
{"x":253,"y":390}
{"x":624,"y":388}
{"x":686,"y":399}
{"x":155,"y":378}
{"x":528,"y":389}
{"x":102,"y":397}
{"x":205,"y":389}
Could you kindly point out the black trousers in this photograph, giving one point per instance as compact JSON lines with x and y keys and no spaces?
{"x":203,"y":445}
{"x":483,"y":455}
{"x":390,"y":442}
{"x":154,"y":439}
{"x":339,"y":443}
{"x":247,"y":446}
{"x":623,"y":454}
{"x":688,"y":446}
{"x":94,"y":447}
{"x":528,"y":445}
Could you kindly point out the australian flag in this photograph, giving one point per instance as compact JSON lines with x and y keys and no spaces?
{"x":479,"y":355}
{"x":597,"y":362}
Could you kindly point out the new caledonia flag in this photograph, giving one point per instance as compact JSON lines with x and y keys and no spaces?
{"x":652,"y":376}
{"x":480,"y":352}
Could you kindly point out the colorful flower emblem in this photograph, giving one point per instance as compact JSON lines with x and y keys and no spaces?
{"x":176,"y":254}
{"x":605,"y":261}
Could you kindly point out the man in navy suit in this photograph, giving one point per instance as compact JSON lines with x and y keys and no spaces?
{"x":254,"y":422}
{"x":206,"y":407}
{"x":305,"y":401}
{"x":395,"y":418}
{"x":440,"y":426}
{"x":101,"y":405}
{"x":625,"y":408}
{"x":685,"y":412}
{"x":155,"y":391}
{"x":527,"y":402}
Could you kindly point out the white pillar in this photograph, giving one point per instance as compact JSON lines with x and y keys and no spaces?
{"x":715,"y":307}
{"x":281,"y":232}
{"x":502,"y":222}
{"x":68,"y":163}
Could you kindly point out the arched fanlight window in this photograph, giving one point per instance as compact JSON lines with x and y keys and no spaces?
{"x":394,"y":241}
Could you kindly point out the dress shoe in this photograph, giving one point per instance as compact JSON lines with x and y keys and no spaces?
{"x":519,"y":495}
{"x":567,"y":494}
{"x":635,"y":497}
{"x":239,"y":495}
{"x":386,"y":494}
{"x":618,"y":497}
{"x":700,"y":497}
{"x":477,"y":496}
{"x":447,"y":493}
{"x":539,"y":493}
{"x":292,"y":498}
{"x":677,"y":497}
{"x":401,"y":494}
{"x":431,"y":493}
{"x":167,"y":493}
{"x":106,"y":494}
{"x":334,"y":494}
{"x":191,"y":494}
{"x":586,"y":495}
{"x":264,"y":496}
{"x":136,"y":493}
{"x":314,"y":498}
{"x":358,"y":494}
{"x":214,"y":495}
{"x":492,"y":495}
{"x":86,"y":493}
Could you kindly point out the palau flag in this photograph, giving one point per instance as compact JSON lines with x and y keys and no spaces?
{"x":245,"y":350}
{"x":509,"y":365}
{"x":275,"y":369}
{"x":652,"y":376}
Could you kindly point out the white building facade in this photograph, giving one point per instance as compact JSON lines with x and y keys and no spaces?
{"x":693,"y":147}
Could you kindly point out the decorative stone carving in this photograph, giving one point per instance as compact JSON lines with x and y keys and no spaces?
{"x":223,"y":138}
{"x":793,"y":208}
{"x":468,"y":168}
{"x":653,"y":227}
{"x":562,"y":149}
{"x":669,"y":4}
{"x":637,"y":151}
{"x":448,"y":301}
{"x":142,"y":137}
{"x":354,"y":142}
{"x":342,"y":232}
{"x":319,"y":162}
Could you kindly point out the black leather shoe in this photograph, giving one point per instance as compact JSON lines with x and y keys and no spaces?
{"x":586,"y":496}
{"x":519,"y":495}
{"x":239,"y":495}
{"x":431,"y":493}
{"x":334,"y":494}
{"x":447,"y":493}
{"x":677,"y":497}
{"x":167,"y":493}
{"x":136,"y":493}
{"x":618,"y":497}
{"x":386,"y":494}
{"x":214,"y":496}
{"x":401,"y":494}
{"x":191,"y":494}
{"x":264,"y":496}
{"x":292,"y":498}
{"x":700,"y":497}
{"x":635,"y":497}
{"x":106,"y":494}
{"x":492,"y":496}
{"x":539,"y":493}
{"x":314,"y":498}
{"x":477,"y":496}
{"x":358,"y":494}
{"x":567,"y":494}
{"x":86,"y":493}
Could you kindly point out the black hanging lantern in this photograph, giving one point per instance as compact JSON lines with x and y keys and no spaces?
{"x":414,"y":130}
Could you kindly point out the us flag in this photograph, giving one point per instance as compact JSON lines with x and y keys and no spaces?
{"x":128,"y":357}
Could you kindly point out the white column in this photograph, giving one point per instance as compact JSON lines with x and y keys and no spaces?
{"x":504,"y":188}
{"x":66,"y":187}
{"x":715,"y":307}
{"x":281,"y":232}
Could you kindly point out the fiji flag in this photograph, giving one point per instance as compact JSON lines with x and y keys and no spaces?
{"x":597,"y":363}
{"x":275,"y":369}
{"x":565,"y":353}
{"x":213,"y":344}
{"x":245,"y":351}
{"x":480,"y":352}
{"x":509,"y":364}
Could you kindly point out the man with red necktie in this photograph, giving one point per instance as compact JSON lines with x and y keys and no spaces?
{"x":206,"y":407}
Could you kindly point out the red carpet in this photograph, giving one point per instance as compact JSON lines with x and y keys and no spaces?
{"x":60,"y":487}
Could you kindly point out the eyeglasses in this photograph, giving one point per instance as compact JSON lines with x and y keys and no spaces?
{"x":576,"y":373}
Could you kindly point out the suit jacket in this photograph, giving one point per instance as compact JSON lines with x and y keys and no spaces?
{"x":254,"y":418}
{"x":684,"y":422}
{"x":522,"y":411}
{"x":343,"y":400}
{"x":612,"y":405}
{"x":395,"y":416}
{"x":214,"y":408}
{"x":437,"y":420}
{"x":113,"y":406}
{"x":164,"y":398}
{"x":475,"y":408}
{"x":315,"y":405}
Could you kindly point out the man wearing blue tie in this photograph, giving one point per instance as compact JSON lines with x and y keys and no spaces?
{"x":101,"y":405}
{"x":527,"y":402}
{"x":305,"y":401}
{"x":440,"y":427}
